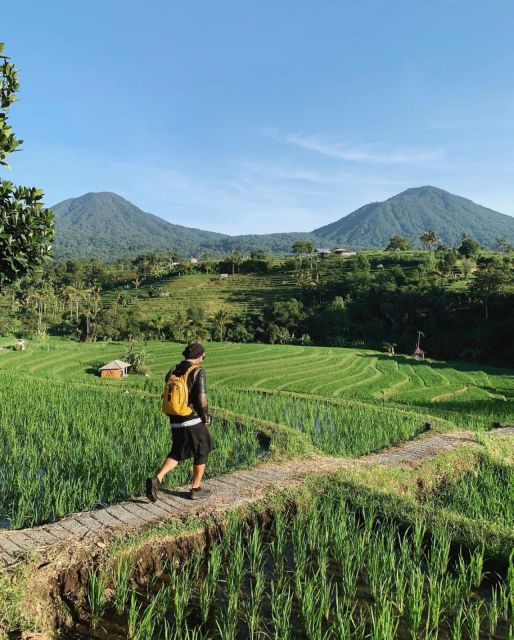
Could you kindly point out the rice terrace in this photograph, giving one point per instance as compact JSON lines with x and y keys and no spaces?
{"x":418,"y":547}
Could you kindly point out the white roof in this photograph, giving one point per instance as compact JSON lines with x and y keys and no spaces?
{"x":115,"y":364}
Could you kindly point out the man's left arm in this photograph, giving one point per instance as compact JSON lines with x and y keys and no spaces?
{"x":200,"y":402}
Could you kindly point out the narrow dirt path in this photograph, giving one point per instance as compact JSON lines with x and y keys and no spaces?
{"x":231,"y":490}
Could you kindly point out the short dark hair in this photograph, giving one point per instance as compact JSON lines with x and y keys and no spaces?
{"x":193,"y":351}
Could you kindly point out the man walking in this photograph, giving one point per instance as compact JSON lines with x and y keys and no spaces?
{"x":185,"y":401}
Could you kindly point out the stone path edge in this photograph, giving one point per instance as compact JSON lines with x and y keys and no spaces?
{"x":235,"y":489}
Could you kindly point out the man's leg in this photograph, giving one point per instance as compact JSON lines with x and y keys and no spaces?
{"x":168,"y":465}
{"x":153,"y":484}
{"x":198,"y":471}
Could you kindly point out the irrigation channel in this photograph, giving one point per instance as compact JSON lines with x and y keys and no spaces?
{"x":325,"y":568}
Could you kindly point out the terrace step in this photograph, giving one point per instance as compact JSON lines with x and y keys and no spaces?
{"x":239,"y":488}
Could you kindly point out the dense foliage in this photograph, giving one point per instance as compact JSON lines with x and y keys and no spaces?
{"x":463,"y":307}
{"x":26,"y":227}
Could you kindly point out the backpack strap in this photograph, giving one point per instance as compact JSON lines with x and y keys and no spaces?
{"x":191,"y":369}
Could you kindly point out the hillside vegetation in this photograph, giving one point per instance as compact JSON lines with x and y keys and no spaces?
{"x":106,"y":226}
{"x":462,"y":306}
{"x":236,"y":294}
{"x":412,"y":212}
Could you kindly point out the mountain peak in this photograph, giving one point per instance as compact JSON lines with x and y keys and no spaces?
{"x":423,"y":191}
{"x":414,"y":211}
{"x":105,"y":225}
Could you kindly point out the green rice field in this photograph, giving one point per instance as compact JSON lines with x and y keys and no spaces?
{"x":335,"y":565}
{"x":236,"y":294}
{"x":73,"y":441}
{"x":486,"y":493}
{"x":328,"y":571}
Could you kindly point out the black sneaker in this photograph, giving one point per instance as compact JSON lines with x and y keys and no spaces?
{"x":152,"y":486}
{"x":199,"y":493}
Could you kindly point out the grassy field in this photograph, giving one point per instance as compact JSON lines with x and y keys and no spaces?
{"x":237,"y":294}
{"x":76,"y":441}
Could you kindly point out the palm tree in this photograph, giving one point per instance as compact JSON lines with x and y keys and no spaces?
{"x":502,"y":244}
{"x":236,"y":259}
{"x":158,"y":323}
{"x":179,"y":324}
{"x":221,"y":318}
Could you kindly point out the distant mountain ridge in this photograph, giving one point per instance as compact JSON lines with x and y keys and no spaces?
{"x":107,"y":226}
{"x":414,"y":211}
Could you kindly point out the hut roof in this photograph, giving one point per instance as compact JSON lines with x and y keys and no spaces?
{"x":115,"y":364}
{"x":417,"y":350}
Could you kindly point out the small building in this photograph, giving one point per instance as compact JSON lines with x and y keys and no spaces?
{"x":343,"y":252}
{"x":223,"y":275}
{"x":194,"y":260}
{"x":114,"y":369}
{"x":418,"y":353}
{"x":323,"y":253}
{"x":20,"y":345}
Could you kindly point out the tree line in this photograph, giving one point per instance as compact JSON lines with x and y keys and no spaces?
{"x":462,"y":304}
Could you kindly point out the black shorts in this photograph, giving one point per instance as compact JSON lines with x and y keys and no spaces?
{"x":191,"y":442}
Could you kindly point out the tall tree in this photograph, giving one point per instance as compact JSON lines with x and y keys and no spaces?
{"x":429,"y":238}
{"x":236,"y":259}
{"x":502,"y":244}
{"x":302,"y":247}
{"x":220,"y":319}
{"x":26,"y":227}
{"x":398,"y":243}
{"x":488,"y":283}
{"x":468,"y":248}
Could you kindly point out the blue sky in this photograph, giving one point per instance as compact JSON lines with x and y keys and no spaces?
{"x":258,"y":116}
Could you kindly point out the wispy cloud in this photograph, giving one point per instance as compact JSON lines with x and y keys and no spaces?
{"x":288,"y":174}
{"x":363,"y":154}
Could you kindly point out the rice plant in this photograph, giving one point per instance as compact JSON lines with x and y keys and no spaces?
{"x":73,"y":449}
{"x":121,"y":578}
{"x":484,"y":494}
{"x":95,"y":596}
{"x":328,"y":571}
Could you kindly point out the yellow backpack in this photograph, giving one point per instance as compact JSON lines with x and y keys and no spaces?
{"x":175,"y":398}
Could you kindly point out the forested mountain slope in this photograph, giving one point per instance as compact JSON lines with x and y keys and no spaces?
{"x":106,"y":226}
{"x":414,"y":211}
